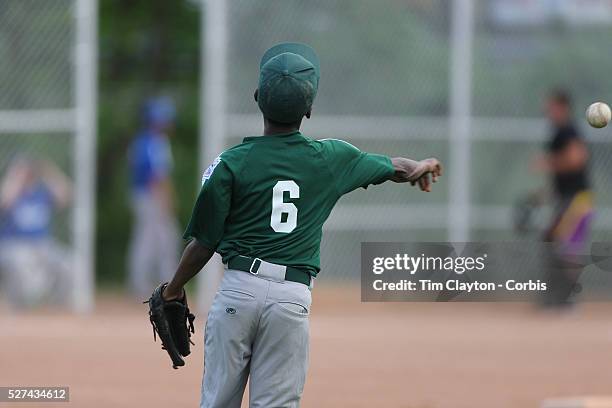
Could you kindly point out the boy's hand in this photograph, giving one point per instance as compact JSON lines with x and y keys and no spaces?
{"x":407,"y":170}
{"x":172,"y":293}
{"x":426,"y":172}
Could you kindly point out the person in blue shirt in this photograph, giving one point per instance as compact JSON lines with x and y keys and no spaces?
{"x":155,"y":239}
{"x":33,"y":263}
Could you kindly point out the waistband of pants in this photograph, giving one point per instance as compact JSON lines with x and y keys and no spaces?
{"x":270,"y":270}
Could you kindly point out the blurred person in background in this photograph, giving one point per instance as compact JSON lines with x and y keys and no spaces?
{"x":566,"y":160}
{"x":155,"y":238}
{"x":35,"y":266}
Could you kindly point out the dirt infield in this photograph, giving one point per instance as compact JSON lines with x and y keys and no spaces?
{"x":362,"y":355}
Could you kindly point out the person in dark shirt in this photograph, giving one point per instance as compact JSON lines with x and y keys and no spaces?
{"x":566,"y":160}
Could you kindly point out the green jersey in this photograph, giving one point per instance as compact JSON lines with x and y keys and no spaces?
{"x":269,"y":196}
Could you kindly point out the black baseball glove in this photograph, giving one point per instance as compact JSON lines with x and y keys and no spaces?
{"x":173,"y":323}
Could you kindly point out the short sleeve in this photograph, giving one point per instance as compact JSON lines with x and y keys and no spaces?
{"x":352,"y":168}
{"x":212,"y":206}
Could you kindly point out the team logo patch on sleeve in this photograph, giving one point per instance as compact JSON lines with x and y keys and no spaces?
{"x":210,"y":169}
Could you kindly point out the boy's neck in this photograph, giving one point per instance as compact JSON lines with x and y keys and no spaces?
{"x":274,"y":128}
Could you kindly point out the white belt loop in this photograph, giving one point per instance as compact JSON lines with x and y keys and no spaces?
{"x":272,"y":271}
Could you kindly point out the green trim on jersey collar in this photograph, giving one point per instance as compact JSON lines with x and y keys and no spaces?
{"x":267,"y":138}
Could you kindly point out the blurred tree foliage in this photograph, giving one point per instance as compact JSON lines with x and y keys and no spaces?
{"x":147,"y":48}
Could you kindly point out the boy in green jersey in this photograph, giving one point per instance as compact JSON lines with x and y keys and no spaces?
{"x":262,"y":207}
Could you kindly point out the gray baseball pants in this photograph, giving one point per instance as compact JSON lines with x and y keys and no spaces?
{"x":257,"y":328}
{"x":154,"y":247}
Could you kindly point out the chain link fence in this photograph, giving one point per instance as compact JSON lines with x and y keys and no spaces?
{"x":41,"y":123}
{"x":36,"y":79}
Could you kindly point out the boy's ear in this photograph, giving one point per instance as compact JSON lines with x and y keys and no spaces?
{"x":255,"y":94}
{"x":308,"y":114}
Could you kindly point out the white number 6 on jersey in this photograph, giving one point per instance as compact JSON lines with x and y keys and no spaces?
{"x":279,"y":207}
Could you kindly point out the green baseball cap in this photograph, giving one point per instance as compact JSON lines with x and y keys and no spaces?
{"x":288,"y":82}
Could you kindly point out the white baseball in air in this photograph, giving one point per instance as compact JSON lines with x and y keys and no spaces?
{"x":598,"y":114}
